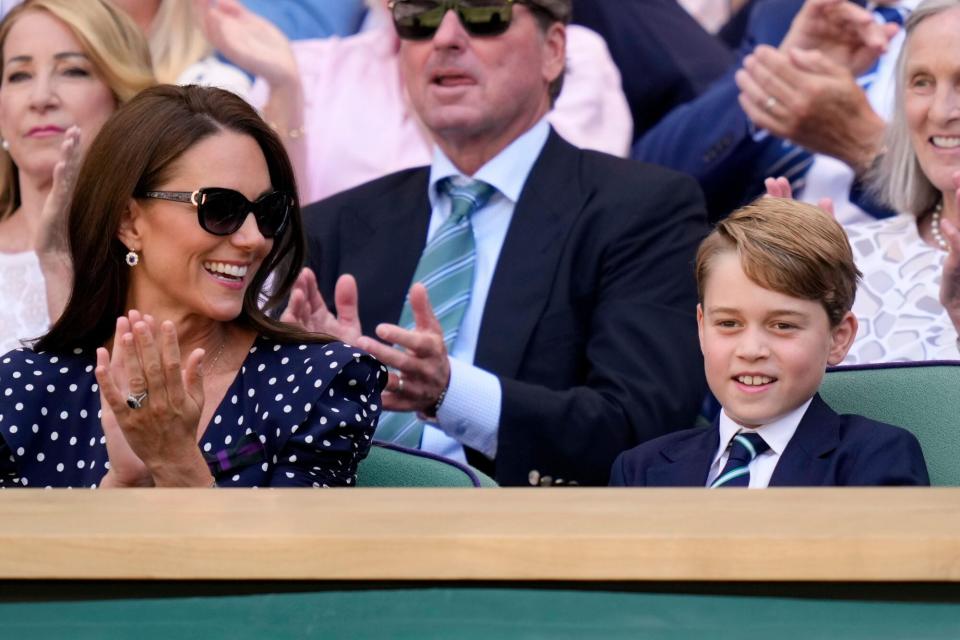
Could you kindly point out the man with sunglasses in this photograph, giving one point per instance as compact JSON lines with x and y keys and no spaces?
{"x":574,"y":335}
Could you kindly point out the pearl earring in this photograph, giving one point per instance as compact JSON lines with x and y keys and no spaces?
{"x":5,"y":145}
{"x":132,"y":258}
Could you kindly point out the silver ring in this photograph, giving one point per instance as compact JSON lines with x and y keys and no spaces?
{"x":135,"y":401}
{"x":399,"y":382}
{"x":770,"y":104}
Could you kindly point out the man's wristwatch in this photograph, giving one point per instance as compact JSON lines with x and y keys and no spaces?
{"x":431,"y":414}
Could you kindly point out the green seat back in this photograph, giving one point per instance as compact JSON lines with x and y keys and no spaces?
{"x":389,"y":465}
{"x":922,"y":397}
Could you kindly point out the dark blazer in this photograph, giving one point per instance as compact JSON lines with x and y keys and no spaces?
{"x":710,"y":136}
{"x":589,"y":322}
{"x":827,"y":450}
{"x":665,"y":57}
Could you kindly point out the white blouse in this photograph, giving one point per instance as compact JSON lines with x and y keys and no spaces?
{"x":23,"y":299}
{"x":898,"y":300}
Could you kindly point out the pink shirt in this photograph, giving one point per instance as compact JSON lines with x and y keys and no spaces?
{"x":359,"y":125}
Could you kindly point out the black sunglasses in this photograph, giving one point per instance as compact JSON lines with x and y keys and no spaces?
{"x":420,"y":19}
{"x":222,"y":211}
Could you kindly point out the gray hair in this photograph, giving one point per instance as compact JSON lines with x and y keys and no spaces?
{"x":899,"y":180}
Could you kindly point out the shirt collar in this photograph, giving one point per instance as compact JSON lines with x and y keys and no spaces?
{"x":507,"y":172}
{"x":777,"y":434}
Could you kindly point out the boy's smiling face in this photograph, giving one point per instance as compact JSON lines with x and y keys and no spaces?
{"x":764,"y":352}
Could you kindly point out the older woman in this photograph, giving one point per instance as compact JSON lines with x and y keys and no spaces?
{"x":909,"y":300}
{"x":184,"y":205}
{"x":65,"y":67}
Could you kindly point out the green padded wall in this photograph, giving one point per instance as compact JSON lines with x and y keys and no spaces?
{"x":468,"y":614}
{"x":390,"y":468}
{"x":923,"y":399}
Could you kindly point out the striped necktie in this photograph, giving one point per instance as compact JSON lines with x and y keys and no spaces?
{"x":446,"y":270}
{"x":743,"y":449}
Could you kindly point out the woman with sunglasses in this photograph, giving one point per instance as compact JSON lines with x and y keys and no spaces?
{"x":163,"y":370}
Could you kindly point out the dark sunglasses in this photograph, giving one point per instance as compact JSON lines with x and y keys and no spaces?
{"x":222,"y":211}
{"x":420,"y":19}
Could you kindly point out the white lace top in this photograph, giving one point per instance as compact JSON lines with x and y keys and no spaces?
{"x":898,"y":301}
{"x":23,"y":299}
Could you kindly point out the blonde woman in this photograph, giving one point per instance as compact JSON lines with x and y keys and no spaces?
{"x":65,"y":67}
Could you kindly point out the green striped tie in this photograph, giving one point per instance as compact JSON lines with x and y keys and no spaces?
{"x":743,"y":449}
{"x":446,"y":270}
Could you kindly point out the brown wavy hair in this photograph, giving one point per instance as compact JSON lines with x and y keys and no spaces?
{"x":134,"y":153}
{"x":789,"y":247}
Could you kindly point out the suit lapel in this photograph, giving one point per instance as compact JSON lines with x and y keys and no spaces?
{"x":549,"y":203}
{"x":686,"y":463}
{"x":381,"y":245}
{"x":803,"y":462}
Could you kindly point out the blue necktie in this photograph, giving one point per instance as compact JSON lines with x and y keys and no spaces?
{"x":743,"y":449}
{"x":446,"y":270}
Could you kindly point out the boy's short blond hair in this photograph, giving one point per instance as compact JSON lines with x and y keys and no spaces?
{"x":789,"y":247}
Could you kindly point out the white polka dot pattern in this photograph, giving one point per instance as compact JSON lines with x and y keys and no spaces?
{"x":279,"y":423}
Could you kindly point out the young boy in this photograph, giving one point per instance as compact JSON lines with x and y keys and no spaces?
{"x":776,"y":281}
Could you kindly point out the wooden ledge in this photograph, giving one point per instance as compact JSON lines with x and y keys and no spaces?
{"x":491,"y":534}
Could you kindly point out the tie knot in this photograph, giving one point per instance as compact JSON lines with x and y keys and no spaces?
{"x":746,"y":446}
{"x":465,"y":197}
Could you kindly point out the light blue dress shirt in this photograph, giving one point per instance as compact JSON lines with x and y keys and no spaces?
{"x":470,"y":414}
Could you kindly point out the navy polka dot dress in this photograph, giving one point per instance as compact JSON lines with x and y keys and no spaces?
{"x":296,"y":415}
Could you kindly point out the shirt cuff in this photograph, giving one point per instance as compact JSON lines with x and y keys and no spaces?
{"x":470,"y":411}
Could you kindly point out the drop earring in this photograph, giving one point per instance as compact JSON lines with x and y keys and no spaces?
{"x":5,"y":145}
{"x":132,"y":258}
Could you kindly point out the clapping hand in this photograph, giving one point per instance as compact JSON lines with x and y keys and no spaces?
{"x":307,"y":309}
{"x":950,"y":282}
{"x":421,"y":366}
{"x":780,"y":188}
{"x":50,"y":241}
{"x":248,"y":40}
{"x":807,"y":98}
{"x":150,"y":407}
{"x":841,"y":30}
{"x":52,"y":230}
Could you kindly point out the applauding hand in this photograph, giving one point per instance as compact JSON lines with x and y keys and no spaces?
{"x":421,"y":365}
{"x":308,"y":311}
{"x":151,"y":407}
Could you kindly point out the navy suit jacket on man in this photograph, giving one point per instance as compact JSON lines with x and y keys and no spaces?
{"x":710,"y":137}
{"x":827,"y":450}
{"x":589,"y":322}
{"x":665,"y":57}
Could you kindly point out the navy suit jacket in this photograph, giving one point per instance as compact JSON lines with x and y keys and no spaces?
{"x":589,"y":322}
{"x":665,"y":57}
{"x":827,"y":450}
{"x":710,"y":136}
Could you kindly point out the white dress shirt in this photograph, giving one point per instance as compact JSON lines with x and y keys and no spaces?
{"x":776,"y":434}
{"x":470,"y":414}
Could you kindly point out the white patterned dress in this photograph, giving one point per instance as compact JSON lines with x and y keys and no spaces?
{"x":23,"y":299}
{"x":898,"y":302}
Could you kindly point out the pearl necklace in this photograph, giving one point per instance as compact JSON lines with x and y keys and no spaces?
{"x":935,"y":227}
